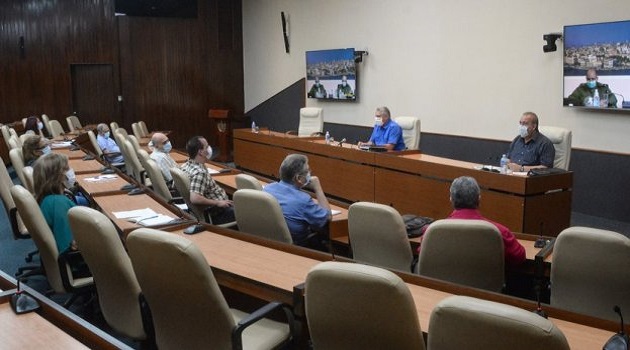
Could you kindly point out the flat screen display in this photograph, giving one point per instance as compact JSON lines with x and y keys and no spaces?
{"x":331,"y":74}
{"x":604,"y":47}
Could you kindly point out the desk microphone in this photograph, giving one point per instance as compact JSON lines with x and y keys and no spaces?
{"x":620,"y":340}
{"x":342,"y":141}
{"x":539,"y":311}
{"x":540,"y":242}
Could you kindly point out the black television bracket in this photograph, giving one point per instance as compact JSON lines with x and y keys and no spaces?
{"x":358,"y":56}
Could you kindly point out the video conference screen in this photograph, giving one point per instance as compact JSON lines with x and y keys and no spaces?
{"x":331,"y":74}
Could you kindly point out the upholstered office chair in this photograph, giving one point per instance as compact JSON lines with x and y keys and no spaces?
{"x":56,"y":128}
{"x":134,"y":142}
{"x":99,"y":151}
{"x":468,"y":252}
{"x":311,"y":121}
{"x":591,"y":272}
{"x":378,"y":236}
{"x":355,"y":306}
{"x":158,"y":183}
{"x":143,"y":128}
{"x":189,"y":311}
{"x":17,"y":160}
{"x":55,"y":264}
{"x":14,"y":142}
{"x":182,"y":184}
{"x":118,"y":137}
{"x":46,"y":122}
{"x":73,"y":123}
{"x":132,"y":163}
{"x":245,"y":181}
{"x":5,"y":135}
{"x":258,"y":213}
{"x":137,"y":130}
{"x":460,"y":322}
{"x":561,"y":139}
{"x":116,"y":283}
{"x":27,"y":172}
{"x":113,"y":126}
{"x":411,"y":131}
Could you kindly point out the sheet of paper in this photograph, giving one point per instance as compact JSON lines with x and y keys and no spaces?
{"x":159,"y":219}
{"x":61,"y":144}
{"x":212,"y":171}
{"x":138,"y":213}
{"x":335,"y":212}
{"x":101,"y":178}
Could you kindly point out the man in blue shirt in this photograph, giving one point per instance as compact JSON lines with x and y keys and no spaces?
{"x":304,"y":216}
{"x":386,"y":132}
{"x":108,"y":145}
{"x":530,"y":149}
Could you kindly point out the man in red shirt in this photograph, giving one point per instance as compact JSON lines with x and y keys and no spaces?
{"x":465,"y":196}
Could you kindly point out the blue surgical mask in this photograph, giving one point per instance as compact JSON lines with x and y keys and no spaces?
{"x":46,"y":150}
{"x":378,"y":121}
{"x":307,"y":179}
{"x":522,"y":131}
{"x":106,"y":135}
{"x":40,"y":125}
{"x":167,"y":147}
{"x":591,"y":84}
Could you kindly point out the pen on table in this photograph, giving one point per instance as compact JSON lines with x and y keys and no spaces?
{"x":150,"y":217}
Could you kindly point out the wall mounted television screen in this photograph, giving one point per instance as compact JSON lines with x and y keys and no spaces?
{"x":604,"y":47}
{"x":331,"y":74}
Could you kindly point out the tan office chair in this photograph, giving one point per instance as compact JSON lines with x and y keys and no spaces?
{"x":14,"y":142}
{"x":460,"y":322}
{"x":99,"y":151}
{"x":55,"y":265}
{"x":73,"y":123}
{"x":157,"y":180}
{"x":46,"y":122}
{"x":132,"y":163}
{"x":258,"y":213}
{"x":468,"y":252}
{"x":411,"y":131}
{"x":119,"y":138}
{"x":378,"y":236}
{"x":311,"y":121}
{"x":182,"y":184}
{"x":591,"y":272}
{"x":355,"y":306}
{"x":143,"y":128}
{"x":134,"y":142}
{"x":244,"y":181}
{"x":189,"y":311}
{"x":6,"y":135}
{"x":27,"y":172}
{"x":17,"y":160}
{"x":116,"y":283}
{"x":56,"y":128}
{"x":561,"y":139}
{"x":137,"y":130}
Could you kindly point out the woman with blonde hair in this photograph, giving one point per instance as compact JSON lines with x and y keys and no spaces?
{"x":34,"y":147}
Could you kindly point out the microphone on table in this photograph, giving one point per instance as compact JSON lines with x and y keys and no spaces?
{"x":620,"y":340}
{"x":539,"y":311}
{"x":21,"y":302}
{"x":342,"y":141}
{"x":540,"y":242}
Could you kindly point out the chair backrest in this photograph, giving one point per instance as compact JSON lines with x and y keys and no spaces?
{"x":311,"y":121}
{"x":135,"y":143}
{"x":17,"y":160}
{"x":468,"y":252}
{"x":23,"y":137}
{"x":19,"y":231}
{"x":137,"y":130}
{"x":5,"y":135}
{"x":97,"y":148}
{"x":132,"y":163}
{"x":259,"y":213}
{"x":378,"y":236}
{"x":191,"y":313}
{"x":245,"y":181}
{"x":73,"y":123}
{"x":116,"y":283}
{"x":27,"y":172}
{"x":460,"y":322}
{"x":411,"y":131}
{"x":561,"y":139}
{"x":14,"y":142}
{"x":182,"y":184}
{"x":143,"y":127}
{"x":119,"y":134}
{"x":157,"y":179}
{"x":591,"y":272}
{"x":56,"y":128}
{"x":46,"y":122}
{"x":355,"y":306}
{"x":41,"y":234}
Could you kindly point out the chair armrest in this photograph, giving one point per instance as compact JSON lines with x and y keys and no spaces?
{"x":317,"y":133}
{"x":237,"y":341}
{"x":291,"y":132}
{"x":63,"y":261}
{"x":176,"y":200}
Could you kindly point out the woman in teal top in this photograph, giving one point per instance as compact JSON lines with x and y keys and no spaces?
{"x":50,"y":176}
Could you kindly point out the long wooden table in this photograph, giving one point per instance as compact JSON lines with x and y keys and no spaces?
{"x":413,"y":182}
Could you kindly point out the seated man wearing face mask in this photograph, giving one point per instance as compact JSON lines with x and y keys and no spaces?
{"x":317,"y":90}
{"x":344,"y":89}
{"x":584,"y":93}
{"x":386,"y":132}
{"x":305,"y":217}
{"x":530,"y":149}
{"x":204,"y":191}
{"x":161,"y":148}
{"x":108,"y":145}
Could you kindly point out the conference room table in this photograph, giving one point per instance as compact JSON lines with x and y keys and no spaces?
{"x":413,"y":182}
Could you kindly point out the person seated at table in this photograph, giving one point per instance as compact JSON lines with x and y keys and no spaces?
{"x":465,"y":196}
{"x":317,"y":90}
{"x":108,"y":145}
{"x":344,"y":89}
{"x":583,"y":94}
{"x":386,"y":132}
{"x":204,"y":191}
{"x":161,"y":148}
{"x":305,"y":217}
{"x":34,"y":147}
{"x":33,"y":126}
{"x":52,"y":176}
{"x":530,"y":149}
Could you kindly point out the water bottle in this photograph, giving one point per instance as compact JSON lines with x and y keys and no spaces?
{"x":504,"y":164}
{"x":596,"y":98}
{"x":253,"y":126}
{"x":327,"y":138}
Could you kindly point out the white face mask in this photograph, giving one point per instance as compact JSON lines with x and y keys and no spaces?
{"x":522,"y":131}
{"x":307,"y":179}
{"x":209,"y":152}
{"x":40,"y":125}
{"x":378,"y":121}
{"x":46,"y":150}
{"x":71,"y":179}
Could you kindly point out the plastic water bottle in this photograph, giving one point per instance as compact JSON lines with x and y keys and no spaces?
{"x":327,"y":138}
{"x":504,"y":164}
{"x":596,"y":98}
{"x":253,"y":126}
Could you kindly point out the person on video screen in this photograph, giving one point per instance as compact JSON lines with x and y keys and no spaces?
{"x":583,"y":94}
